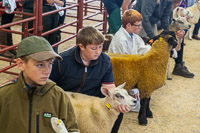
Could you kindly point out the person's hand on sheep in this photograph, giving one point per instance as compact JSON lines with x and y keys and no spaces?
{"x":119,"y":108}
{"x":123,"y":109}
{"x":180,"y":34}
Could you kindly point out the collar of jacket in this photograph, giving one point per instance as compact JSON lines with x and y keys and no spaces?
{"x":79,"y":60}
{"x":128,"y":34}
{"x":40,"y":90}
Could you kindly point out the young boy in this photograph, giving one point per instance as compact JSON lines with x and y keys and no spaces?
{"x":85,"y":68}
{"x":127,"y":40}
{"x":27,"y":104}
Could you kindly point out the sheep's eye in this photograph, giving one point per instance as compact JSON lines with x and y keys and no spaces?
{"x":119,"y":96}
{"x":180,"y":22}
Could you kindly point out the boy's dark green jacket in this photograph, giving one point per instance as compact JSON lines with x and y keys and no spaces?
{"x":23,"y":112}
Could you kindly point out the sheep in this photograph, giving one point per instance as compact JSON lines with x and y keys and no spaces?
{"x":195,"y":9}
{"x":98,"y":114}
{"x":145,"y":71}
{"x":182,"y":12}
{"x":179,"y":23}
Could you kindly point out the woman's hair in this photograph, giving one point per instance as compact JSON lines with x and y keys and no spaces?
{"x":89,"y":35}
{"x":131,"y":16}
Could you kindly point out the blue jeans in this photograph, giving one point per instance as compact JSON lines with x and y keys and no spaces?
{"x":196,"y":28}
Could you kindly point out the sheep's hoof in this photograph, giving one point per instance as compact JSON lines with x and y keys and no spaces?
{"x":149,"y":114}
{"x":142,"y":121}
{"x":169,"y":78}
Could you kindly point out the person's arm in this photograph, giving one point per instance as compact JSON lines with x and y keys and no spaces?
{"x":118,"y":43}
{"x":67,"y":114}
{"x":58,"y":2}
{"x":118,"y":47}
{"x":107,"y":82}
{"x":147,"y":8}
{"x":166,"y":16}
{"x":125,"y":5}
{"x":142,"y":48}
{"x":109,"y":86}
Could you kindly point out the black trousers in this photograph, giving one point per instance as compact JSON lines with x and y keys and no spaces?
{"x":196,"y":28}
{"x":50,"y":22}
{"x":179,"y":59}
{"x":6,"y":38}
{"x":6,"y":18}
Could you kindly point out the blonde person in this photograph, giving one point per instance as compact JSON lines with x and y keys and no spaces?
{"x":28,"y":103}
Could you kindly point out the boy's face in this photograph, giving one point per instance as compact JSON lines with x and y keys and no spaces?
{"x":135,"y":28}
{"x":91,"y":51}
{"x":35,"y":72}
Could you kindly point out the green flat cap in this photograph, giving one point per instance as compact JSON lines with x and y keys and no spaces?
{"x":37,"y":48}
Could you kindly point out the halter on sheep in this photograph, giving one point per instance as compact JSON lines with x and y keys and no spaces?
{"x":146,"y":71}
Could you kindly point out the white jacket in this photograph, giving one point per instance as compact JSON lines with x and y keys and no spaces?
{"x":122,"y":43}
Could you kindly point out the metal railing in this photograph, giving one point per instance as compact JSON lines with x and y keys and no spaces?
{"x":84,"y":10}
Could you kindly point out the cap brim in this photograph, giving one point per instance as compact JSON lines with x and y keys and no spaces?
{"x":45,"y":55}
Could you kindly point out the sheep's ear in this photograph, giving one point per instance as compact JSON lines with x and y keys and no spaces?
{"x":172,"y":41}
{"x":121,"y":86}
{"x":174,"y":20}
{"x":105,"y":91}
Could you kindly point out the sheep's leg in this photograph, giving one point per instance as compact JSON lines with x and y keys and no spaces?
{"x":169,"y":77}
{"x":190,"y":33}
{"x":142,"y":114}
{"x":149,"y":113}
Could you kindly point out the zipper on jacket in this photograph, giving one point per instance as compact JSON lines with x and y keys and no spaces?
{"x":37,"y":123}
{"x":30,"y":110}
{"x":83,"y":80}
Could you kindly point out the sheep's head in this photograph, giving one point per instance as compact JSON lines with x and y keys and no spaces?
{"x":183,"y":12}
{"x":180,"y":23}
{"x":169,"y":37}
{"x":120,"y":96}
